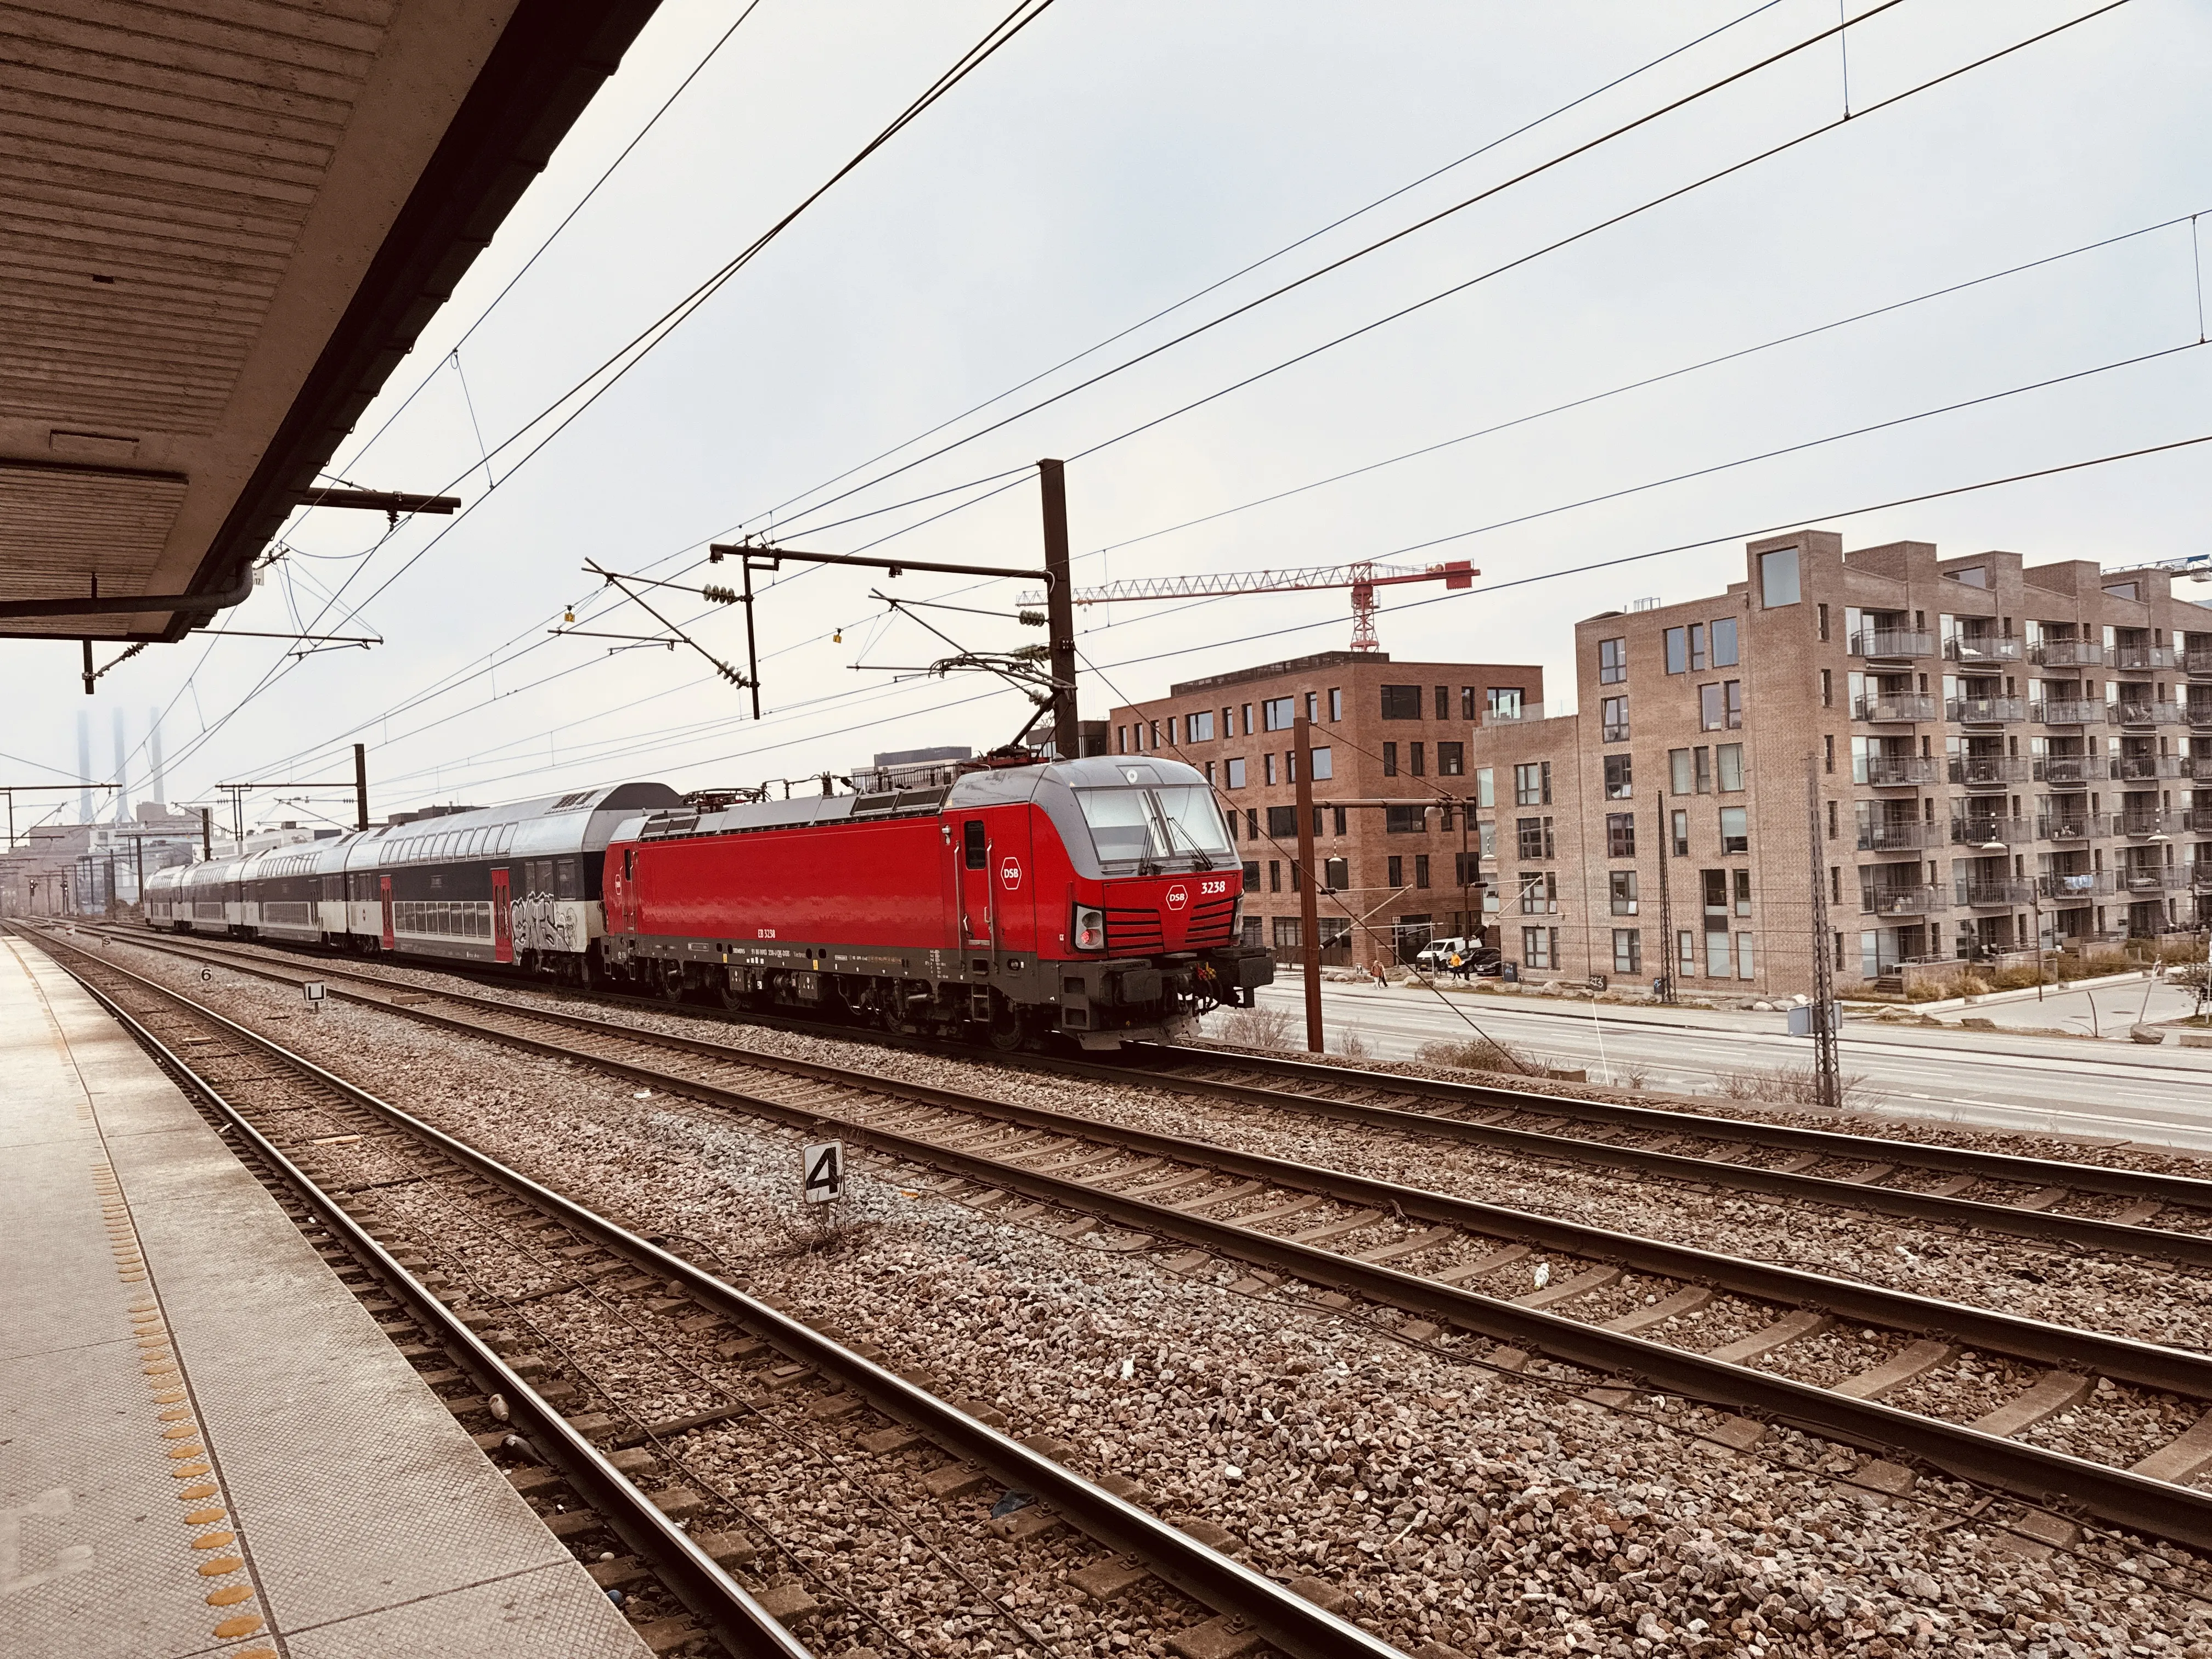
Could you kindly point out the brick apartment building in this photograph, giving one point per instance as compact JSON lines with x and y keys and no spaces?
{"x":2001,"y":754}
{"x":1392,"y":877}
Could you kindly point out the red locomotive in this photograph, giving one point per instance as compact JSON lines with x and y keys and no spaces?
{"x":1096,"y":898}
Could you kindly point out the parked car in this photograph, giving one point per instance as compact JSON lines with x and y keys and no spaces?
{"x":1437,"y":958}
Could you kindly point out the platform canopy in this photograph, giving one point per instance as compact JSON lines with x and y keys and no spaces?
{"x":223,"y":224}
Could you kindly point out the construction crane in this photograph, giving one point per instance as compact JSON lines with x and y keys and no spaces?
{"x":1362,"y":579}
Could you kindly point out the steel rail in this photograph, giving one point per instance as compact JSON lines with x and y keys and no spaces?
{"x":1284,"y":1618}
{"x":2084,"y":1232}
{"x":2124,"y":1359}
{"x":2034,"y":1475}
{"x":2189,"y":1191}
{"x":706,"y":1591}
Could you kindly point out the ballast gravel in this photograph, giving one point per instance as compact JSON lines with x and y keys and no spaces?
{"x":1492,"y":1512}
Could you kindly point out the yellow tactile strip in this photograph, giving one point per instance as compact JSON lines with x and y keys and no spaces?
{"x":211,"y":1558}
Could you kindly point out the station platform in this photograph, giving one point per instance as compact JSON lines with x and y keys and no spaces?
{"x":207,"y":1444}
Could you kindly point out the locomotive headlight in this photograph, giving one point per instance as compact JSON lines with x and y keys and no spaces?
{"x":1090,"y":929}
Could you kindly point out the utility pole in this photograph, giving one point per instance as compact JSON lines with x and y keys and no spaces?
{"x":138,"y":851}
{"x":1060,"y":610}
{"x":207,"y":834}
{"x":1827,"y":1069}
{"x":361,"y":785}
{"x":1302,"y":875}
{"x":1666,"y":905}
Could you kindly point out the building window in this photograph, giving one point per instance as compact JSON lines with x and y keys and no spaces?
{"x":1402,"y":702}
{"x":1742,"y":892}
{"x":1247,"y":718}
{"x":1155,"y":742}
{"x":1533,"y":837}
{"x":1624,"y":895}
{"x":1487,"y":833}
{"x":1732,"y":692}
{"x":1702,"y":772}
{"x":1620,"y":835}
{"x":1337,"y":813}
{"x":1829,"y":752}
{"x":1677,"y":771}
{"x":1469,"y":706}
{"x":1268,"y":768}
{"x":1540,"y":893}
{"x":1724,"y":642}
{"x":1712,"y":712}
{"x":1612,"y":662}
{"x":1209,"y":772}
{"x":1536,"y":946}
{"x":1728,"y":757}
{"x":1313,"y":708}
{"x":1201,"y":726}
{"x":1335,"y":703}
{"x":1419,"y":755}
{"x":1404,"y":821}
{"x":1335,"y":874}
{"x":1619,"y":782}
{"x":1451,"y":760}
{"x":1251,"y":932}
{"x":1680,"y":837}
{"x":1389,"y":760}
{"x":1278,"y":714}
{"x":1287,"y":932}
{"x":1743,"y":968}
{"x":1173,"y":741}
{"x":1628,"y":951}
{"x":1504,"y":702}
{"x":1275,"y":875}
{"x":1251,"y":824}
{"x":1235,"y":767}
{"x":1444,"y":703}
{"x":1735,"y":830}
{"x":1466,"y":868}
{"x":1718,"y":957}
{"x":1324,"y":765}
{"x":1686,"y":950}
{"x":1614,"y":713}
{"x":1420,"y":869}
{"x":1824,"y":635}
{"x":1532,"y":784}
{"x":1486,"y":789}
{"x":1827,"y":686}
{"x":1397,"y":870}
{"x":1282,"y":822}
{"x":1777,"y":577}
{"x":1678,"y":650}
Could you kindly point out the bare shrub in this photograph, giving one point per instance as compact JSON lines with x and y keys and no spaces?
{"x":1353,"y":1046}
{"x":1258,"y":1028}
{"x":1632,"y":1074}
{"x":2015,"y":979}
{"x":1479,"y":1055}
{"x":1970,"y":984}
{"x":1790,"y":1085}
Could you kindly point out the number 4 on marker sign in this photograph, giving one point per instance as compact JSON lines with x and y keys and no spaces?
{"x":825,"y":1172}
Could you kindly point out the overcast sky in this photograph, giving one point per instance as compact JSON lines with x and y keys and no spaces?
{"x":1114,"y":160}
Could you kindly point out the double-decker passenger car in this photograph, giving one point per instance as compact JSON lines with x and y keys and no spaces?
{"x":1097,"y":898}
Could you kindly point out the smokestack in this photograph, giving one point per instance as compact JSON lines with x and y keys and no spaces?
{"x":121,"y":786}
{"x":84,"y":766}
{"x":154,"y":758}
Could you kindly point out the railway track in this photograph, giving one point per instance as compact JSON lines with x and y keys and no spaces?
{"x":469,"y":1311}
{"x":2122,"y":1212}
{"x":1621,"y":1308}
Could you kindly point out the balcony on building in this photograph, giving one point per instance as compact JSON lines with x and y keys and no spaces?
{"x":2063,"y":824}
{"x":1981,"y":645}
{"x":1988,"y":771}
{"x":2200,"y":766}
{"x":2196,"y":821}
{"x":1974,"y":892}
{"x":1894,"y":706}
{"x":2065,"y":650}
{"x":1882,"y":898}
{"x":1900,"y":771}
{"x":2067,"y":711}
{"x":2199,"y":711}
{"x":2137,"y":768}
{"x":2132,"y":651}
{"x":2077,"y":770}
{"x":2147,"y":877}
{"x":2200,"y":875}
{"x":2076,"y":886}
{"x":1889,"y":640}
{"x":2140,"y":820}
{"x":1985,"y":711}
{"x":1979,"y":829}
{"x":1898,"y":833}
{"x":2144,"y":711}
{"x":2198,"y":659}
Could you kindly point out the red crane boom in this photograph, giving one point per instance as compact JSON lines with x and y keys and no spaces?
{"x":1362,"y":579}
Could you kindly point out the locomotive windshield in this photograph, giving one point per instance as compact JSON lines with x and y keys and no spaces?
{"x":1178,"y":821}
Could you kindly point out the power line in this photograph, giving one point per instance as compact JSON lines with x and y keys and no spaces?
{"x":1523,"y":177}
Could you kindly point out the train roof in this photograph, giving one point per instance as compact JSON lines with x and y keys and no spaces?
{"x":581,"y":820}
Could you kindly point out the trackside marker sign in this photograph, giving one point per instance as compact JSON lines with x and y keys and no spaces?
{"x":825,"y":1172}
